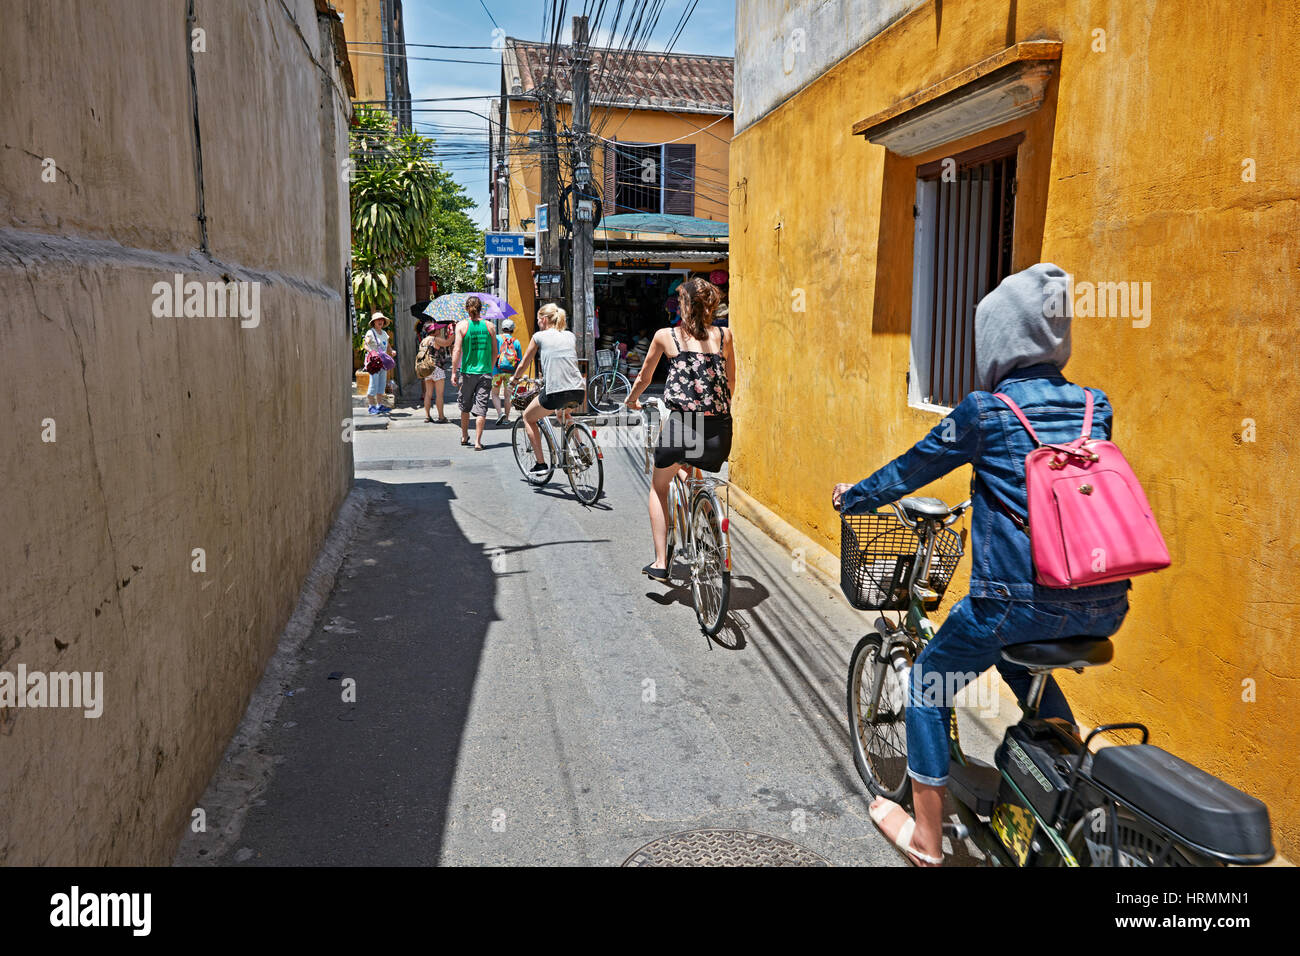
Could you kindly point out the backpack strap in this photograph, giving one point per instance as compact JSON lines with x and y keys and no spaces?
{"x":1087,"y":415}
{"x":1024,"y":421}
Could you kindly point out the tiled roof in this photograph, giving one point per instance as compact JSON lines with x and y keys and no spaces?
{"x":635,"y":78}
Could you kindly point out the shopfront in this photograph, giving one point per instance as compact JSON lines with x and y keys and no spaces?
{"x":636,"y":297}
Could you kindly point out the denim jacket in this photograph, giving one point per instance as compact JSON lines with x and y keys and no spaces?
{"x":983,"y":432}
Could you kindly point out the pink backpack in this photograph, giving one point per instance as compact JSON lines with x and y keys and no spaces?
{"x":1089,"y":521}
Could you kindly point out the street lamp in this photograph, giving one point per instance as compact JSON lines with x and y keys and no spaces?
{"x":582,"y":173}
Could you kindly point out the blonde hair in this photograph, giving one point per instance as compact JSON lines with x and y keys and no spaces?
{"x":557,"y":316}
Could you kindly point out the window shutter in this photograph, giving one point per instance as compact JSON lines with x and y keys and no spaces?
{"x":611,"y":167}
{"x":679,"y":179}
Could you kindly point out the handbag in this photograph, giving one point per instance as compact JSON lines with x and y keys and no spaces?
{"x":373,"y":362}
{"x":1089,"y":520}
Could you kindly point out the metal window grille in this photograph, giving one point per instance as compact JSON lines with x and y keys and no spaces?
{"x":639,"y":178}
{"x":970,"y":219}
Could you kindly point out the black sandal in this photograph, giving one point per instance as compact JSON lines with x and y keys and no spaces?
{"x":464,"y":441}
{"x":655,"y":574}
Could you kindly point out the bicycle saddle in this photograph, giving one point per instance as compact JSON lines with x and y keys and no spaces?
{"x":1067,"y":652}
{"x":924,"y":508}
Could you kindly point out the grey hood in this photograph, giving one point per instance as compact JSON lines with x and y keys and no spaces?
{"x":1024,"y":321}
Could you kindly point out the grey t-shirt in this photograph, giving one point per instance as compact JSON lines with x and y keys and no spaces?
{"x":559,"y":354}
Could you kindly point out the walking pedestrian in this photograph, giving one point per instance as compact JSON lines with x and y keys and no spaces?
{"x":473,"y":356}
{"x":376,"y":341}
{"x":435,"y":348}
{"x":701,"y":381}
{"x":509,"y":351}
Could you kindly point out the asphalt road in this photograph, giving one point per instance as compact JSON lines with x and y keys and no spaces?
{"x":524,"y":695}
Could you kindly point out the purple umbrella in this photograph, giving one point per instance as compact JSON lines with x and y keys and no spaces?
{"x":451,"y":307}
{"x":502,"y":305}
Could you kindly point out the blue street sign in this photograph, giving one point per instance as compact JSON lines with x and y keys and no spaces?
{"x":504,"y":245}
{"x":541,"y":218}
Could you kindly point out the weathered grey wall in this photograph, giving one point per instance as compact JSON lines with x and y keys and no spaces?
{"x":171,"y":434}
{"x":783,"y":45}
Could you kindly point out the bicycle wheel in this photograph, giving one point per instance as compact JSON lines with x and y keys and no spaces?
{"x":879,"y":742}
{"x":608,"y":391}
{"x":710,"y":577}
{"x":524,"y":456}
{"x":586,"y":470}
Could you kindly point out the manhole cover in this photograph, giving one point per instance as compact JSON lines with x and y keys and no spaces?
{"x":389,"y":464}
{"x":723,"y":848}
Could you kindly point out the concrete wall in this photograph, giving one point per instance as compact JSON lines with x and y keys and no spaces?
{"x":170,"y":434}
{"x":786,"y":44}
{"x":1131,"y":171}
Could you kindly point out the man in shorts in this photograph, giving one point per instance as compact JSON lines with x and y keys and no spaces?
{"x":472,"y":360}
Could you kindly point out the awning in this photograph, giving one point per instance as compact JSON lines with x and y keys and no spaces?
{"x":1007,"y":85}
{"x":664,"y":224}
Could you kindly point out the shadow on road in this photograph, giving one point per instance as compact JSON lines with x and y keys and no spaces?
{"x":369,"y":782}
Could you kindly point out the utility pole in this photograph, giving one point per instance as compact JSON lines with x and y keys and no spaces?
{"x":548,"y":254}
{"x":584,"y":301}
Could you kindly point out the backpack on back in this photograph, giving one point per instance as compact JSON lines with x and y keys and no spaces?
{"x":1089,"y":520}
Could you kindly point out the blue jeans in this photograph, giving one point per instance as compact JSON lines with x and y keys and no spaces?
{"x":968,"y":643}
{"x":377,"y":382}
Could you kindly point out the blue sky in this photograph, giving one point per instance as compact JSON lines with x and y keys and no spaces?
{"x":463,"y":136}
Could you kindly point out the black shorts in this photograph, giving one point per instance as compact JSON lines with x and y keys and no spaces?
{"x":701,"y":441}
{"x":557,"y":400}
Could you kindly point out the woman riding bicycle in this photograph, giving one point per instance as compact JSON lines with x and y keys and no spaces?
{"x":701,"y":380}
{"x":561,"y":378}
{"x":1022,"y":341}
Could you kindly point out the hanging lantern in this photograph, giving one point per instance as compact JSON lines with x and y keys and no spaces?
{"x":718,"y":276}
{"x":671,"y":304}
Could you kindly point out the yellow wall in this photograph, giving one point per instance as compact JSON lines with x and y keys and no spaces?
{"x":627,"y":126}
{"x":1132,"y":170}
{"x":644,"y":126}
{"x":363,"y":21}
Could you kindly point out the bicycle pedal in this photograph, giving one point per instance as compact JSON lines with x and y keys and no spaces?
{"x":957,"y":831}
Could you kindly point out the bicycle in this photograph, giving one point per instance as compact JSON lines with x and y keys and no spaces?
{"x":578,"y":455}
{"x":1048,"y":799}
{"x":609,"y":388}
{"x":700,"y":535}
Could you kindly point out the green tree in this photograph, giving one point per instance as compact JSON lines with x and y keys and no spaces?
{"x":405,"y":207}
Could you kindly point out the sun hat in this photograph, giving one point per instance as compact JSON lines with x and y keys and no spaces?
{"x":376,"y":316}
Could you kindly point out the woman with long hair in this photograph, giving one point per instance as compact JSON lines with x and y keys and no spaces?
{"x":698,"y":394}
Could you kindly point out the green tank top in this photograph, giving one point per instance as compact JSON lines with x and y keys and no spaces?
{"x":476,"y":349}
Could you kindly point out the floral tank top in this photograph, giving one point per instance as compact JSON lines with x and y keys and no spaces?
{"x":697,"y":381}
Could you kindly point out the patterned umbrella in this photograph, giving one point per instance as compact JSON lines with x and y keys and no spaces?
{"x":451,"y":307}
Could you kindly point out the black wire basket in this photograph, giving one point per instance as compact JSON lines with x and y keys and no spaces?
{"x":877,"y":552}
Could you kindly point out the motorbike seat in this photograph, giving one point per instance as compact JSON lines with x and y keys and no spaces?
{"x":1067,"y":652}
{"x":1198,"y":806}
